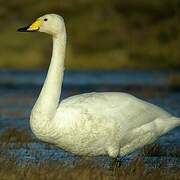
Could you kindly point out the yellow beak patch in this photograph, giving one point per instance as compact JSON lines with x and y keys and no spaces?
{"x":35,"y":25}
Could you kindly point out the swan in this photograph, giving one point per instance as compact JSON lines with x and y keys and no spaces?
{"x":91,"y":124}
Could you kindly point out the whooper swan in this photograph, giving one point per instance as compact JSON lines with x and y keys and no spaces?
{"x":107,"y":123}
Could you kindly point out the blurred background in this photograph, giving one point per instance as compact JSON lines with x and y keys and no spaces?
{"x":128,"y":46}
{"x":106,"y":35}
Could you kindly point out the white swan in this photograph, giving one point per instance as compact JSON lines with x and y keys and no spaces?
{"x":91,"y":124}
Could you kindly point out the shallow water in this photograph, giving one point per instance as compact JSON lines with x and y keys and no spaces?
{"x":19,"y":91}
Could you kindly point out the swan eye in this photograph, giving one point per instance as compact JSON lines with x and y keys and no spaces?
{"x":45,"y":19}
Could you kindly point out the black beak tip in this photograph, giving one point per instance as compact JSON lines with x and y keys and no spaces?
{"x":19,"y":30}
{"x":24,"y":29}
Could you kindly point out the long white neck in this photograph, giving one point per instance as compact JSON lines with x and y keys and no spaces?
{"x":48,"y":100}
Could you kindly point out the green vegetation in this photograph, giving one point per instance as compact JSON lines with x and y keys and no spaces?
{"x":101,"y":34}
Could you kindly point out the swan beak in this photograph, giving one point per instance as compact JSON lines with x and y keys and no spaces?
{"x":32,"y":28}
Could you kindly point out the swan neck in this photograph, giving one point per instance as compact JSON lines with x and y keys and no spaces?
{"x":48,"y":100}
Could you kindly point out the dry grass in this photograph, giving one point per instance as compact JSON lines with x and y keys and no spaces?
{"x":83,"y":171}
{"x":152,"y":150}
{"x":12,"y":135}
{"x":155,"y":149}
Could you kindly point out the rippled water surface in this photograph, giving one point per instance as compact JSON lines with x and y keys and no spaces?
{"x":19,"y":91}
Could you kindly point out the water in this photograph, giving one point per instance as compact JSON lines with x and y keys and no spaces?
{"x":19,"y":90}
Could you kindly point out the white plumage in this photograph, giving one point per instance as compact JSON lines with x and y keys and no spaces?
{"x":91,"y":124}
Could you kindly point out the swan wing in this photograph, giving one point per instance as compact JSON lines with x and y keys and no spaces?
{"x":119,"y":108}
{"x":104,"y":122}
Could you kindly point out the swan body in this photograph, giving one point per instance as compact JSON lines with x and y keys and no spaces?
{"x":108,"y":123}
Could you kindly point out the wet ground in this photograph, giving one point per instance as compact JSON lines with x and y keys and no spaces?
{"x":19,"y":91}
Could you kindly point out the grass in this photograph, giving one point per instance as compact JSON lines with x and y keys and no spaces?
{"x":12,"y":135}
{"x":14,"y":139}
{"x":156,"y":150}
{"x":82,"y":170}
{"x":133,"y":34}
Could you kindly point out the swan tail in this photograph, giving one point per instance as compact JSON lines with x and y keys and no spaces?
{"x":175,"y":120}
{"x":165,"y":125}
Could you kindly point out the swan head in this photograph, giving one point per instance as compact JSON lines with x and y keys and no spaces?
{"x":50,"y":23}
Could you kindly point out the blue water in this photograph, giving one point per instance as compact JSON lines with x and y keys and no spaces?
{"x":123,"y":78}
{"x":20,"y":89}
